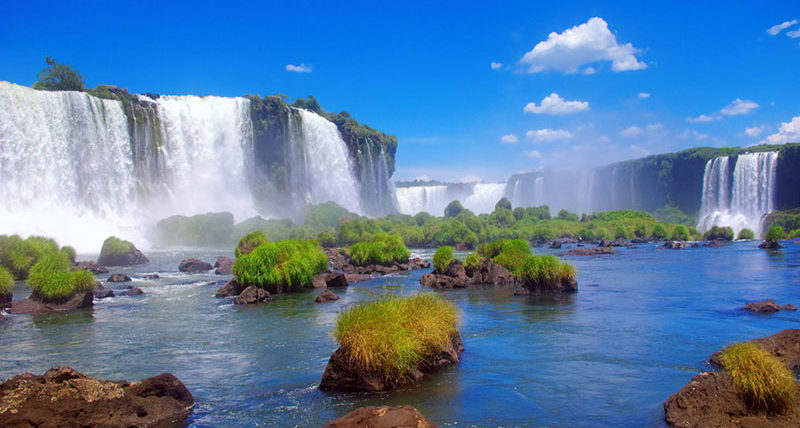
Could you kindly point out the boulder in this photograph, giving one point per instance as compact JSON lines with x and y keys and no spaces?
{"x":767,"y":307}
{"x":717,"y":243}
{"x":326,"y":296}
{"x":675,"y":245}
{"x":489,"y":272}
{"x":589,"y":251}
{"x":131,"y":257}
{"x":5,"y":300}
{"x":32,"y":305}
{"x":132,"y":291}
{"x":356,"y":277}
{"x":318,"y":281}
{"x":119,"y":277}
{"x":418,"y":263}
{"x":91,"y":267}
{"x":224,"y":265}
{"x":383,"y":417}
{"x":336,"y":258}
{"x":252,"y":295}
{"x":770,"y":245}
{"x":101,"y":292}
{"x":455,"y":269}
{"x":151,"y":276}
{"x":462,"y":246}
{"x":230,"y":289}
{"x":336,"y":279}
{"x":194,"y":266}
{"x":552,"y":287}
{"x":63,"y":397}
{"x":555,"y":245}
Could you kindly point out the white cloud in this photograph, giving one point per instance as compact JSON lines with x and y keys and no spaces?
{"x":775,"y":29}
{"x":789,"y":132}
{"x":548,"y":135}
{"x":423,"y":177}
{"x":701,"y":118}
{"x":653,"y":127}
{"x":534,"y":154}
{"x":639,"y":151}
{"x":755,"y":131}
{"x":470,"y":179}
{"x":633,"y":131}
{"x":583,"y":44}
{"x":644,"y":95}
{"x":793,"y":34}
{"x":739,"y":106}
{"x":510,"y":138}
{"x":554,"y":104}
{"x":302,"y":68}
{"x":496,"y":65}
{"x":687,"y":134}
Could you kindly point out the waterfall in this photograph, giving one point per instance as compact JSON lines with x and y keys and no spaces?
{"x":416,"y":199}
{"x":743,"y":201}
{"x":484,"y":197}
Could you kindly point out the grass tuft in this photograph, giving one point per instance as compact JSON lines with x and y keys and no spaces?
{"x":250,"y":242}
{"x":544,"y":271}
{"x":442,"y":258}
{"x":281,"y":266}
{"x":6,"y":281}
{"x":760,"y":377}
{"x":51,"y":279}
{"x":509,"y":253}
{"x":381,"y":249}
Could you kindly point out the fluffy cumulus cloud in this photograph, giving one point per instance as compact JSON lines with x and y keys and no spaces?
{"x":644,"y":95}
{"x":554,"y":104}
{"x":587,"y":43}
{"x":633,"y":131}
{"x":302,"y":68}
{"x":701,"y":118}
{"x":793,"y":34}
{"x":548,"y":135}
{"x":789,"y":132}
{"x":755,"y":131}
{"x":496,"y":65}
{"x":509,"y":139}
{"x":775,"y":29}
{"x":534,"y":154}
{"x":739,"y":106}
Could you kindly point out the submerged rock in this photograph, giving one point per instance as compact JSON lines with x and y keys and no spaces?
{"x":194,"y":266}
{"x":383,"y":417}
{"x":119,"y":277}
{"x":101,"y":292}
{"x":230,"y":289}
{"x":63,"y":397}
{"x":675,"y":245}
{"x":326,"y":296}
{"x":589,"y":251}
{"x":91,"y":267}
{"x":132,"y":291}
{"x":224,"y":265}
{"x":770,"y":245}
{"x":151,"y":276}
{"x":32,"y":305}
{"x":767,"y":307}
{"x":252,"y":295}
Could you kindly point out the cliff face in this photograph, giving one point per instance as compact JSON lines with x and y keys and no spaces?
{"x":787,"y":176}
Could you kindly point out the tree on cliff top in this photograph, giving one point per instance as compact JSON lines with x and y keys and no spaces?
{"x":59,"y":77}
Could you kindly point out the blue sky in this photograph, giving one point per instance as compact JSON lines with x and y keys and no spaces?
{"x":713,"y":74}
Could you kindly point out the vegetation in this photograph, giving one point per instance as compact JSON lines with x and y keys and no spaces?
{"x":542,"y":271}
{"x":59,"y":77}
{"x":775,"y":234}
{"x":659,"y":232}
{"x":212,"y":229}
{"x":6,"y":281}
{"x":18,"y":255}
{"x":788,"y":220}
{"x":746,"y":234}
{"x":51,"y":279}
{"x":471,"y":263}
{"x":681,"y":233}
{"x":760,"y":377}
{"x":442,"y":258}
{"x":509,"y":253}
{"x":391,"y":337}
{"x":503,"y":203}
{"x":326,"y":239}
{"x":250,"y":242}
{"x":453,"y":209}
{"x":115,"y":246}
{"x":717,"y":233}
{"x":280,"y":267}
{"x":381,"y":249}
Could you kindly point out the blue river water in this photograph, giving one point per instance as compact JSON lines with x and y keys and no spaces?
{"x":643,"y":323}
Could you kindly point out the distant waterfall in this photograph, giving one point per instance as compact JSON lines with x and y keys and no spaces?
{"x":742,"y":198}
{"x":416,"y":199}
{"x":480,"y":198}
{"x":484,"y":197}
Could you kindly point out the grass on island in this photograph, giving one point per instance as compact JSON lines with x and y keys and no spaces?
{"x":113,"y":246}
{"x":775,"y":234}
{"x":746,"y":234}
{"x":51,"y":280}
{"x":393,"y":335}
{"x":509,"y":253}
{"x":6,"y":282}
{"x":471,"y":262}
{"x":760,"y":377}
{"x":18,"y":255}
{"x":381,"y":249}
{"x":543,"y":271}
{"x":717,"y":233}
{"x":250,"y":242}
{"x":442,"y":258}
{"x":282,"y":266}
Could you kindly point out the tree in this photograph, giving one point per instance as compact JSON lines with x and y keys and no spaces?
{"x":503,"y":203}
{"x":453,"y":209}
{"x":59,"y":77}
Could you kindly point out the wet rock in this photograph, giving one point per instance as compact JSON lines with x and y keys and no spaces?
{"x":32,"y":305}
{"x":522,"y":291}
{"x":132,"y":291}
{"x":715,"y":244}
{"x":770,"y":245}
{"x":418,"y":263}
{"x":695,"y":245}
{"x":224,"y":265}
{"x":326,"y":296}
{"x":252,"y":295}
{"x":767,"y":307}
{"x":589,"y":251}
{"x":119,"y":277}
{"x":555,"y":245}
{"x":675,"y":245}
{"x":318,"y":280}
{"x":356,"y":277}
{"x":91,"y":267}
{"x":336,"y":258}
{"x":462,"y":246}
{"x":336,"y":279}
{"x":230,"y":289}
{"x":151,"y":276}
{"x":489,"y":272}
{"x":194,"y":266}
{"x":131,"y":257}
{"x":5,"y":300}
{"x":383,"y":417}
{"x":63,"y":397}
{"x":101,"y":292}
{"x":552,"y":287}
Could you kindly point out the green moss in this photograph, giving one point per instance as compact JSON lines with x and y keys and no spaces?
{"x":764,"y":382}
{"x":471,"y":262}
{"x":544,"y":271}
{"x":6,"y":281}
{"x":509,"y":253}
{"x":70,"y":253}
{"x":775,"y":234}
{"x":280,"y":267}
{"x":746,"y":234}
{"x":51,"y":280}
{"x":250,"y":242}
{"x":442,"y":258}
{"x":381,"y":249}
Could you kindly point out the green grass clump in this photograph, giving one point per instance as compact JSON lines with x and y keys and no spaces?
{"x":250,"y":242}
{"x":760,"y":377}
{"x":6,"y":281}
{"x":795,"y":233}
{"x":70,"y":253}
{"x":51,"y":279}
{"x":18,"y":255}
{"x":281,"y":266}
{"x":442,"y":258}
{"x":659,"y":232}
{"x":326,"y":239}
{"x":381,"y":249}
{"x":680,"y":232}
{"x":509,"y":253}
{"x":717,"y":233}
{"x":775,"y":234}
{"x":114,"y":245}
{"x":471,"y":263}
{"x":392,"y":336}
{"x":544,"y":271}
{"x":746,"y":234}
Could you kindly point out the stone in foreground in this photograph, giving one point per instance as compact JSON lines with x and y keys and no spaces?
{"x":326,"y":296}
{"x":194,"y":266}
{"x":383,"y":417}
{"x":34,"y":306}
{"x":252,"y":295}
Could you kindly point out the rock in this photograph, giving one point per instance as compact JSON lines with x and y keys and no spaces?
{"x":5,"y":300}
{"x":695,"y":245}
{"x":224,"y":265}
{"x":714,"y":244}
{"x":336,"y":258}
{"x":252,"y":295}
{"x":194,"y":266}
{"x":770,"y":245}
{"x":318,"y":280}
{"x":522,"y":291}
{"x":326,"y":296}
{"x":231,"y":288}
{"x":588,"y":251}
{"x":605,"y":243}
{"x":132,"y":291}
{"x":554,"y":287}
{"x":336,"y":279}
{"x":462,"y":246}
{"x":63,"y":397}
{"x":418,"y":263}
{"x":383,"y":417}
{"x":767,"y":307}
{"x":91,"y":267}
{"x":555,"y":245}
{"x":340,"y":375}
{"x":455,"y":269}
{"x":784,"y":344}
{"x":119,"y":277}
{"x":151,"y":276}
{"x":489,"y":272}
{"x":33,"y":305}
{"x":675,"y":245}
{"x":356,"y":277}
{"x":127,"y":258}
{"x":101,"y":292}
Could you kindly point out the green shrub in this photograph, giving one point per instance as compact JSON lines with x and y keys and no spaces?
{"x":250,"y":242}
{"x":543,"y":234}
{"x":471,"y":262}
{"x":602,"y":233}
{"x":442,"y":258}
{"x":620,"y":232}
{"x":717,"y":233}
{"x":210,"y":229}
{"x":680,"y":232}
{"x":503,"y":203}
{"x":775,"y":234}
{"x":51,"y":280}
{"x":543,"y":271}
{"x":391,"y":337}
{"x":760,"y":377}
{"x":659,"y":232}
{"x":59,"y":77}
{"x":6,"y":281}
{"x":326,"y":239}
{"x":502,"y":217}
{"x":70,"y":253}
{"x":382,"y":249}
{"x":795,"y":233}
{"x":568,"y":216}
{"x":788,"y":219}
{"x":281,"y":266}
{"x":18,"y":255}
{"x":115,"y":246}
{"x":746,"y":234}
{"x":640,"y":230}
{"x":586,"y":234}
{"x":453,"y":209}
{"x":509,"y":253}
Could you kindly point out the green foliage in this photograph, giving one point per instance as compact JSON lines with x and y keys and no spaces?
{"x":114,"y":245}
{"x":211,"y":229}
{"x":502,"y":217}
{"x":775,"y":234}
{"x":59,"y":77}
{"x":760,"y":377}
{"x":327,"y":215}
{"x":69,"y":252}
{"x":717,"y":233}
{"x":544,"y":271}
{"x":509,"y":253}
{"x":250,"y":242}
{"x":620,"y":232}
{"x":541,"y":212}
{"x":640,"y":230}
{"x":794,"y":234}
{"x":659,"y":232}
{"x":543,"y":234}
{"x":453,"y":209}
{"x":568,"y":216}
{"x":280,"y":267}
{"x":673,"y":214}
{"x":471,"y":262}
{"x":51,"y":279}
{"x":680,"y":232}
{"x":586,"y":234}
{"x":746,"y":234}
{"x":6,"y":281}
{"x":621,"y":215}
{"x":788,"y":220}
{"x":381,"y":249}
{"x":503,"y":203}
{"x":602,"y":233}
{"x":391,"y":337}
{"x":308,"y":103}
{"x":327,"y":240}
{"x":18,"y":255}
{"x":442,"y":258}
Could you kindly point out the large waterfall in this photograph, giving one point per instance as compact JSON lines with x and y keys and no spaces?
{"x":480,"y":198}
{"x":739,"y":198}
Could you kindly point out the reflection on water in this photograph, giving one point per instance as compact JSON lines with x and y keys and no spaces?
{"x":643,"y":323}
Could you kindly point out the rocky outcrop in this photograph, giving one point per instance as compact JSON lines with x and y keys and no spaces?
{"x":455,"y":276}
{"x":5,"y":300}
{"x":710,"y":399}
{"x":230,"y":289}
{"x":194,"y":266}
{"x":101,"y":292}
{"x":717,"y":243}
{"x":383,"y":417}
{"x":352,"y":278}
{"x":463,"y":246}
{"x":564,"y":286}
{"x":342,"y":375}
{"x":770,"y":245}
{"x":119,"y":277}
{"x":589,"y":251}
{"x":488,"y":272}
{"x":767,"y":307}
{"x":224,"y":265}
{"x":252,"y":295}
{"x":32,"y":305}
{"x":91,"y":267}
{"x":338,"y":260}
{"x":63,"y":397}
{"x":151,"y":276}
{"x":127,"y":258}
{"x":330,"y":280}
{"x":326,"y":296}
{"x":675,"y":245}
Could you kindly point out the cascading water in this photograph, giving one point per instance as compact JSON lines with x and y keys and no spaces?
{"x":743,"y":201}
{"x":416,"y":199}
{"x":484,"y":197}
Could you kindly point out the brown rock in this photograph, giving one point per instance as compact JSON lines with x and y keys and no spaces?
{"x":101,"y":292}
{"x":418,"y":263}
{"x":336,"y":279}
{"x":356,"y":277}
{"x":91,"y":267}
{"x":326,"y":296}
{"x":5,"y":300}
{"x":224,"y":265}
{"x":252,"y":295}
{"x":588,"y":251}
{"x":119,"y":277}
{"x":231,"y":288}
{"x":489,"y":272}
{"x":133,"y":291}
{"x":383,"y":417}
{"x":553,"y":287}
{"x":675,"y":245}
{"x":462,"y":246}
{"x":770,"y":245}
{"x":132,"y":257}
{"x":194,"y":266}
{"x":767,"y":307}
{"x":33,"y":305}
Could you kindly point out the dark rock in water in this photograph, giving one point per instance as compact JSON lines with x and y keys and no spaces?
{"x":63,"y":397}
{"x":224,"y":265}
{"x":252,"y":295}
{"x":336,"y":258}
{"x":33,"y":305}
{"x":711,"y":400}
{"x":383,"y":417}
{"x":770,"y":245}
{"x":340,"y":261}
{"x":492,"y":273}
{"x":767,"y":307}
{"x":714,"y":244}
{"x":462,"y":246}
{"x":356,"y":277}
{"x":336,"y":279}
{"x":91,"y":267}
{"x":555,"y":245}
{"x":101,"y":292}
{"x":639,"y":241}
{"x":675,"y":245}
{"x":230,"y":289}
{"x":318,"y":280}
{"x":133,"y":291}
{"x":418,"y":263}
{"x":5,"y":300}
{"x":695,"y":245}
{"x":194,"y":266}
{"x":326,"y":296}
{"x":455,"y":276}
{"x":119,"y":277}
{"x":341,"y":375}
{"x":131,"y":257}
{"x":589,"y":251}
{"x":553,"y":287}
{"x":522,"y":291}
{"x":605,"y":243}
{"x":455,"y":269}
{"x":151,"y":276}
